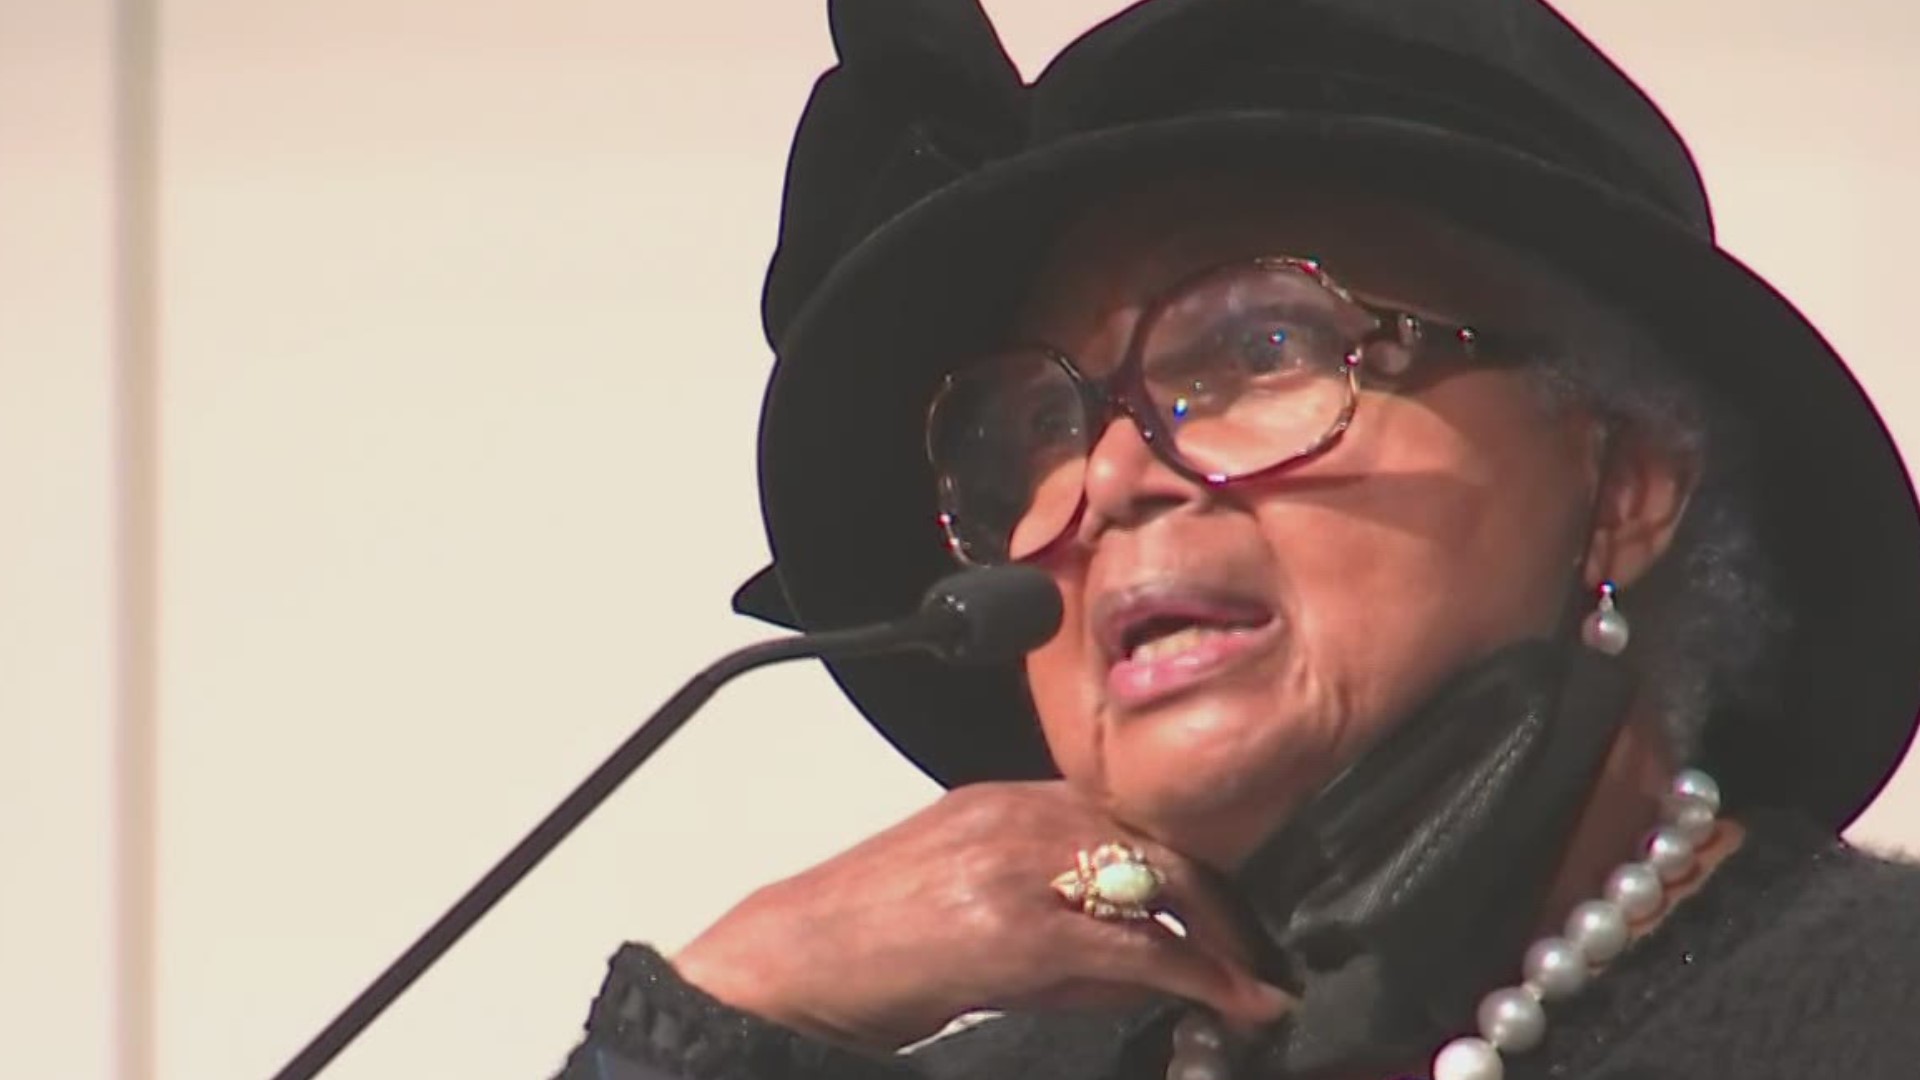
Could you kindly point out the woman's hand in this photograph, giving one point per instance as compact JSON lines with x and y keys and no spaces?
{"x":952,"y":911}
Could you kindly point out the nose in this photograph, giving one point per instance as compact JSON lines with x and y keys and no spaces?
{"x":1126,"y":484}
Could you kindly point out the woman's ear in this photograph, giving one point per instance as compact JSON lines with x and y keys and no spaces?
{"x":1645,"y":487}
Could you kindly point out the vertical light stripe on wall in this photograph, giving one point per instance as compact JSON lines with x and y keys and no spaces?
{"x":137,"y":499}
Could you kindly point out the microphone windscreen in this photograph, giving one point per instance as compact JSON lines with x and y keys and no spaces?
{"x":993,"y":615}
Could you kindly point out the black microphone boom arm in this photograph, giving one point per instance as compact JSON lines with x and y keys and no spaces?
{"x":976,"y":616}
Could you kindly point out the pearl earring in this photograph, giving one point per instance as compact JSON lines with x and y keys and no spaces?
{"x":1605,"y":629}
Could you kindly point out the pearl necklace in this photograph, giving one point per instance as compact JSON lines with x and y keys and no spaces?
{"x":1513,"y":1020}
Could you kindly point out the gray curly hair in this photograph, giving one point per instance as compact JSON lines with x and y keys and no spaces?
{"x":1706,"y":618}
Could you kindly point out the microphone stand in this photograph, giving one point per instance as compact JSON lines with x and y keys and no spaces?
{"x":924,"y":629}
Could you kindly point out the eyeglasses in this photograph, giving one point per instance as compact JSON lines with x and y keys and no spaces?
{"x":1234,"y":373}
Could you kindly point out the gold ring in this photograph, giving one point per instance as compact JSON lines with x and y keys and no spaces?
{"x":1113,"y":881}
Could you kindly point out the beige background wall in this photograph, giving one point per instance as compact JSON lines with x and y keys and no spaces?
{"x":458,"y":366}
{"x":57,"y":576}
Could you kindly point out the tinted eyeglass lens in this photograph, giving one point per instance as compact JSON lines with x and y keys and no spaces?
{"x":1008,"y":438}
{"x":1247,"y":367}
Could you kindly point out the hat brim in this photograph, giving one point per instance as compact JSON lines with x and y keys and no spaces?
{"x":848,"y":497}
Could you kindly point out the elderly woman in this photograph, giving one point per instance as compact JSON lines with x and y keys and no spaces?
{"x":1484,"y":600}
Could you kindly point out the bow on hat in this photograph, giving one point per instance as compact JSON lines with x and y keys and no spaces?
{"x":923,"y":94}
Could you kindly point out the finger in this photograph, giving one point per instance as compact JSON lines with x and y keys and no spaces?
{"x":1079,"y":993}
{"x":1146,"y":955}
{"x":1194,"y":897}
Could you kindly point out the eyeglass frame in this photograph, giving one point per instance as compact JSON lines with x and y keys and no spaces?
{"x":1124,"y":391}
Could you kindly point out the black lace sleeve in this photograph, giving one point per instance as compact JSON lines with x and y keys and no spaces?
{"x":649,"y":1024}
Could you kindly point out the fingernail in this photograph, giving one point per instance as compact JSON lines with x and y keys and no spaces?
{"x":1260,"y":1005}
{"x":1273,"y":1001}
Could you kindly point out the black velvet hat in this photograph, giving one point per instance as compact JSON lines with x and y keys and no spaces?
{"x":925,"y":178}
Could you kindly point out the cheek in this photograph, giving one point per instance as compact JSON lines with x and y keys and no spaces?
{"x":1447,"y":548}
{"x":1049,"y":510}
{"x":1060,"y":692}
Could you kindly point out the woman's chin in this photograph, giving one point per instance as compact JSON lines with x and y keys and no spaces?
{"x":1205,"y":799}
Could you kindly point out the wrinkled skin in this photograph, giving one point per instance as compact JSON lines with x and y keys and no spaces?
{"x":1446,"y":522}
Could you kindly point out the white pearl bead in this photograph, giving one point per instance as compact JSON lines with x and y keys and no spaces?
{"x":1197,"y":1031}
{"x":1635,"y":889}
{"x":1512,"y":1020}
{"x":1555,"y":967}
{"x":1199,"y":1067}
{"x":1694,"y":784}
{"x":1669,"y":853}
{"x":1606,"y":631}
{"x":1692,"y":819}
{"x":1598,"y":929}
{"x":1467,"y":1059}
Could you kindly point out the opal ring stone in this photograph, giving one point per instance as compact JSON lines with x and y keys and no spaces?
{"x":1113,"y":881}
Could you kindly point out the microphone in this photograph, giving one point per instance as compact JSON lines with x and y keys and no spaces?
{"x":987,"y":616}
{"x":981,"y":616}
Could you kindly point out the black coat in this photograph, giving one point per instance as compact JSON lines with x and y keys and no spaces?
{"x":1799,"y":959}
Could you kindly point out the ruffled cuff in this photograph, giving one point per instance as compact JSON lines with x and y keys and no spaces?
{"x":647,"y":1015}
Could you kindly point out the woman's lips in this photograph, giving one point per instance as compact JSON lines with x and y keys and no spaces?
{"x":1138,"y":681}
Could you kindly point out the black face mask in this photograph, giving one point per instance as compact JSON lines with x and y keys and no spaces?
{"x":1411,"y":883}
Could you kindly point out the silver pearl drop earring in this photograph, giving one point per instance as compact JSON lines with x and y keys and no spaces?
{"x":1605,"y":629}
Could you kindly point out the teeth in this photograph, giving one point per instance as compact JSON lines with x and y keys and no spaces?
{"x":1172,"y":644}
